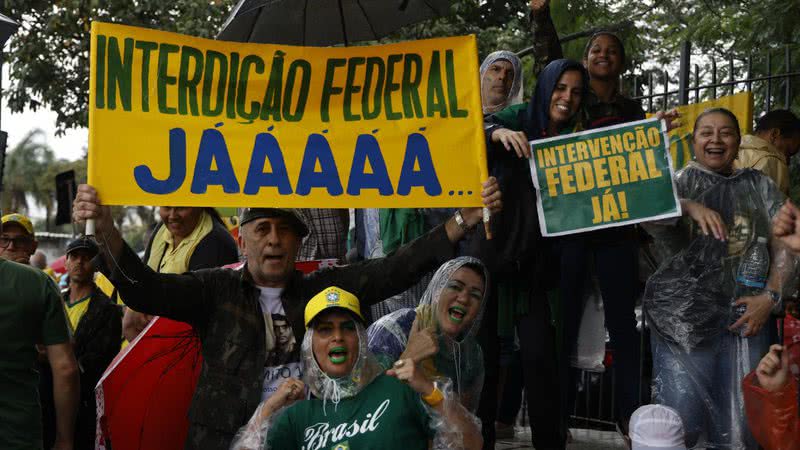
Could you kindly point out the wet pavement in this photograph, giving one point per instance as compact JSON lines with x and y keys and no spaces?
{"x":582,"y":439}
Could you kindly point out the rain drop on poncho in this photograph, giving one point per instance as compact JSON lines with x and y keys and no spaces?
{"x":698,"y":364}
{"x":364,"y":408}
{"x":460,"y":359}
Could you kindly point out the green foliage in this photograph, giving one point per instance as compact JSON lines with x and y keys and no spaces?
{"x":25,"y":165}
{"x":49,"y":55}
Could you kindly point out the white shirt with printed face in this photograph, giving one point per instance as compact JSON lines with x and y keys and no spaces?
{"x":283,"y":360}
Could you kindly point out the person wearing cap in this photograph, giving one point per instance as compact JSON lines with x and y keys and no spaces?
{"x":354,"y":403}
{"x":31,"y":314}
{"x":97,"y":322}
{"x":231,"y":310}
{"x":656,"y":427}
{"x":17,"y":240}
{"x":187,"y":238}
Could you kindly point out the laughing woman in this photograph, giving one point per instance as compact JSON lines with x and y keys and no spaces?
{"x":707,"y":331}
{"x":447,"y":319}
{"x":355,"y":405}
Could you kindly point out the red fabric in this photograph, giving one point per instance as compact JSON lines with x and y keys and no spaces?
{"x":144,"y":396}
{"x":791,"y":342}
{"x":772,"y":416}
{"x":59,"y":265}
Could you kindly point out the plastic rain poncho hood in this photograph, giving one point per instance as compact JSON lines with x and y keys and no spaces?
{"x":698,"y":364}
{"x":515,"y":93}
{"x":459,"y":359}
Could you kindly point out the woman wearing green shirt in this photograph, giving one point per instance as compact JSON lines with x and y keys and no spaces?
{"x":354,"y":404}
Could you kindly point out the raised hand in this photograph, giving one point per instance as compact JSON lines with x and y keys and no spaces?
{"x":672,"y":117}
{"x":773,"y":370}
{"x":538,"y":5}
{"x":709,"y":220}
{"x":516,"y":140}
{"x":87,"y":206}
{"x":786,"y":226}
{"x":288,"y":392}
{"x":422,"y":341}
{"x":407,"y":371}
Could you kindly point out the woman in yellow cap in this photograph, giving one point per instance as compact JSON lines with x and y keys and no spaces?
{"x":354,"y":403}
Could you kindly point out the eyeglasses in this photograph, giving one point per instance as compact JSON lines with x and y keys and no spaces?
{"x":18,"y":241}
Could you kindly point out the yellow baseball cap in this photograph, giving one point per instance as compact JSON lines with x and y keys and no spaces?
{"x":332,"y":297}
{"x":20,"y":220}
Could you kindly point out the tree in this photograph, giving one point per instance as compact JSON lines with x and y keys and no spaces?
{"x":25,"y":165}
{"x":49,"y":55}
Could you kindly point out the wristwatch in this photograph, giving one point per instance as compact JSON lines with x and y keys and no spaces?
{"x":777,"y":301}
{"x":460,"y":221}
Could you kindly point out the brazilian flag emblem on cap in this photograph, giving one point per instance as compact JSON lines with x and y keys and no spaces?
{"x":332,"y":297}
{"x":341,"y":446}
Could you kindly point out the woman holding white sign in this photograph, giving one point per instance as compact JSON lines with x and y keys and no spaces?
{"x":710,"y":304}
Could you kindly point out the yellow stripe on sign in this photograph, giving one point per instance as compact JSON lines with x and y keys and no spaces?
{"x":741,"y":105}
{"x":179,"y":120}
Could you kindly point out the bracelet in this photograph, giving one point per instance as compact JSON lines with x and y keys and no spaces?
{"x":461,"y":222}
{"x":434,"y":398}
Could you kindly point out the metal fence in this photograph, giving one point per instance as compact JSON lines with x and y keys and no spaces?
{"x":659,"y":91}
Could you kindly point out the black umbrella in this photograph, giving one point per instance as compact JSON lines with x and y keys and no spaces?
{"x":7,"y":28}
{"x":324,"y":22}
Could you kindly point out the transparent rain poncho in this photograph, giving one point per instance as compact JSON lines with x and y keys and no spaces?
{"x":698,"y":365}
{"x":460,"y":359}
{"x":515,"y":93}
{"x":254,"y":435}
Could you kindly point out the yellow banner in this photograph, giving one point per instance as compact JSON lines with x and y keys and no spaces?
{"x":178,"y":120}
{"x":740,"y":104}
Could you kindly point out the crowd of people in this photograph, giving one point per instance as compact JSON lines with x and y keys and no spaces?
{"x":317,"y":360}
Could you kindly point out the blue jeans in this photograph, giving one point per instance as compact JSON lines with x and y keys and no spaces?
{"x":705,"y":385}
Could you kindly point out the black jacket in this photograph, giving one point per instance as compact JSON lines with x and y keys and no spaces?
{"x":517,"y":244}
{"x":97,"y":341}
{"x":223,"y":307}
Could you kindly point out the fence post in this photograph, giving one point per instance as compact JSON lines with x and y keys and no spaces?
{"x":685,"y":72}
{"x":788,"y":69}
{"x":768,"y":97}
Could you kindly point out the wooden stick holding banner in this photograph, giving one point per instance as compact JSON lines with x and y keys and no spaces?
{"x":487,"y":215}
